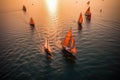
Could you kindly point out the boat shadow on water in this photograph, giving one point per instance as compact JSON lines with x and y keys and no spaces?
{"x":88,"y":19}
{"x":49,"y":57}
{"x":69,"y":58}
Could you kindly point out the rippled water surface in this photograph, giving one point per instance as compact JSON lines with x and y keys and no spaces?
{"x":22,"y":55}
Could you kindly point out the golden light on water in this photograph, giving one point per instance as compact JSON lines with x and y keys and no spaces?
{"x":51,"y":6}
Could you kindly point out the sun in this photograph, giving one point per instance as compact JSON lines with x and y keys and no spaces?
{"x":51,"y":5}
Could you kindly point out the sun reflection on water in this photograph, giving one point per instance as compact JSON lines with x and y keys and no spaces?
{"x":52,"y":6}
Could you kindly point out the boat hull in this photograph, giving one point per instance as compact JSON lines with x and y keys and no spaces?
{"x":87,"y":14}
{"x":79,"y":23}
{"x":67,"y":52}
{"x":24,"y":9}
{"x":48,"y":52}
{"x":88,"y":17}
{"x":32,"y":25}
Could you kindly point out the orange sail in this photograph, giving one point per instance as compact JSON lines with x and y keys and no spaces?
{"x":80,"y":20}
{"x":32,"y":22}
{"x":65,"y":42}
{"x":88,"y":13}
{"x":68,"y":43}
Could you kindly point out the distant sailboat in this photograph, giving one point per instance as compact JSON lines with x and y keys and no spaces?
{"x":68,"y":43}
{"x":88,"y":13}
{"x":47,"y":48}
{"x":24,"y":8}
{"x":88,"y":2}
{"x":80,"y":20}
{"x":32,"y":22}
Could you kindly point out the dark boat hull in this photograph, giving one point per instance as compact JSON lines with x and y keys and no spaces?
{"x":48,"y":52}
{"x":88,"y":16}
{"x":68,"y":55}
{"x":24,"y":9}
{"x":67,"y":52}
{"x":32,"y":25}
{"x":79,"y":23}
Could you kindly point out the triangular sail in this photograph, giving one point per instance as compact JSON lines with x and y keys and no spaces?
{"x":80,"y":19}
{"x":88,"y":10}
{"x":31,"y":21}
{"x":88,"y":13}
{"x":65,"y":42}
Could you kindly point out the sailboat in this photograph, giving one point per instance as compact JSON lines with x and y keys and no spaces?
{"x":80,"y":20}
{"x":88,"y":14}
{"x":88,"y":2}
{"x":24,"y":8}
{"x":32,"y":22}
{"x":47,"y":48}
{"x":68,"y":44}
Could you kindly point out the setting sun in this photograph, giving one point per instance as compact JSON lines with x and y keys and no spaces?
{"x":51,"y":5}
